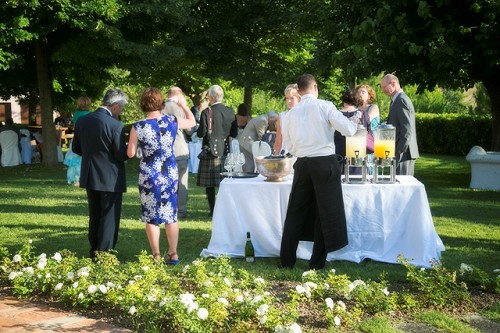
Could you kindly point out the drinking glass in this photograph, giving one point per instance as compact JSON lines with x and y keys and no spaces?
{"x":240,"y":160}
{"x":229,"y":165}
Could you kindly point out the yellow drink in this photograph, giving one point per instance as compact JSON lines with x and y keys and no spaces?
{"x":355,"y":144}
{"x":383,"y":146}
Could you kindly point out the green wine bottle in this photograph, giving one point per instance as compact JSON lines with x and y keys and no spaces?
{"x":249,"y":252}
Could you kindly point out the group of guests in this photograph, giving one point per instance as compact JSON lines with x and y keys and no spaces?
{"x":315,"y":208}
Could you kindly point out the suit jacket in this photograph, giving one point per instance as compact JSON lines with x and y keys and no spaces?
{"x":402,"y":116}
{"x":254,"y":130}
{"x":181,"y":147}
{"x":100,"y":140}
{"x":224,"y":126}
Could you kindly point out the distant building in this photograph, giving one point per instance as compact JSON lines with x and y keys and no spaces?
{"x":19,"y":113}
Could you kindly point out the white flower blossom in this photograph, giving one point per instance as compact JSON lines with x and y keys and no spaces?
{"x":329,"y":303}
{"x":202,"y":313}
{"x":341,"y":304}
{"x":110,"y":284}
{"x":258,"y":280}
{"x":257,"y":298}
{"x":137,"y":277}
{"x":75,"y":284}
{"x":227,"y":281}
{"x":83,"y":272}
{"x":300,"y":289}
{"x":151,"y":298}
{"x":103,"y":289}
{"x":295,"y":328}
{"x":70,"y":275}
{"x":239,"y":298}
{"x":42,"y":256}
{"x":311,"y":285}
{"x":336,"y":320}
{"x":145,"y":268}
{"x":58,"y":286}
{"x":81,"y":296}
{"x":42,"y":262}
{"x":496,"y":270}
{"x":131,"y":282}
{"x":30,"y":241}
{"x":208,"y":283}
{"x":192,"y":306}
{"x":333,"y":271}
{"x":280,"y":329}
{"x":204,"y":295}
{"x":309,"y":272}
{"x":355,"y":284}
{"x":385,"y":291}
{"x":186,"y":298}
{"x":262,"y":310}
{"x":47,"y":276}
{"x":132,"y":310}
{"x":223,"y":301}
{"x":12,"y":275}
{"x":92,"y":289}
{"x":57,"y":257}
{"x":17,"y":258}
{"x":465,"y":268}
{"x":263,"y":320}
{"x":29,"y":270}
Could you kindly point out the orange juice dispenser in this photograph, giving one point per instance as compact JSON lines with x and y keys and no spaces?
{"x":356,"y":155}
{"x":385,"y":154}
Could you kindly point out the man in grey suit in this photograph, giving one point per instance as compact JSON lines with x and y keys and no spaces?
{"x":181,"y":150}
{"x":100,"y":140}
{"x":402,"y":116}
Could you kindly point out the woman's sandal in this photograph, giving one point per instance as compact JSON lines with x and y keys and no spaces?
{"x":171,"y":261}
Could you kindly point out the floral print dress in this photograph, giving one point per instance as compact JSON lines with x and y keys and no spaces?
{"x":158,"y":177}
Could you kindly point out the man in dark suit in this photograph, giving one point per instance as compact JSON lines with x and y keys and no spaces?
{"x":100,"y":140}
{"x":401,"y":116}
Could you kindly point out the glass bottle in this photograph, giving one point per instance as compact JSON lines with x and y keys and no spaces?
{"x":249,"y":251}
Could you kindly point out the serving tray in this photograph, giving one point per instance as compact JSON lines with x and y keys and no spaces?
{"x":240,"y":174}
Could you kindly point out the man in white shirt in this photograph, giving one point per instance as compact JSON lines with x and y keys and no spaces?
{"x":315,"y":207}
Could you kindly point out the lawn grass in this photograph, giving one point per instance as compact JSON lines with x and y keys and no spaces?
{"x":36,"y":203}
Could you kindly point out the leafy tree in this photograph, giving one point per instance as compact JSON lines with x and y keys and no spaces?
{"x":68,"y":47}
{"x":453,"y":44}
{"x":251,"y":43}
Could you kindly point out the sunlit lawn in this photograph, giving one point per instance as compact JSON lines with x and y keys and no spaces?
{"x":36,"y":203}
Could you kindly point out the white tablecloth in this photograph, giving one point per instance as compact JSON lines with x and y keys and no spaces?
{"x":194,"y":150}
{"x":383,"y":221}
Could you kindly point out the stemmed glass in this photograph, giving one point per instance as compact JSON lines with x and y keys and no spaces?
{"x":229,"y":163}
{"x":240,"y":160}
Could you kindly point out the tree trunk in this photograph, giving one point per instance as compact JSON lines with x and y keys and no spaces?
{"x":49,"y":151}
{"x":248,"y":98}
{"x":493,"y":88}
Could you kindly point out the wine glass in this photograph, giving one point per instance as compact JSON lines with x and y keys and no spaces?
{"x":240,"y":160}
{"x":229,"y":164}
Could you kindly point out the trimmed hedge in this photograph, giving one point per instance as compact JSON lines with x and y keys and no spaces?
{"x":452,"y":133}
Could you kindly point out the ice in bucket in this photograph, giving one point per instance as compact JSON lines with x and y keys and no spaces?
{"x":385,"y":141}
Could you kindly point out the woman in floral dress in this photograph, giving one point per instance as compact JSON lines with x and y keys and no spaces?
{"x":154,"y":137}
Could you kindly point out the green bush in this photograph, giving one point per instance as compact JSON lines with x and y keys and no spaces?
{"x":451,"y":133}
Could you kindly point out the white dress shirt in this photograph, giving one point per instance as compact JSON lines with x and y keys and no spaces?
{"x":310,"y":126}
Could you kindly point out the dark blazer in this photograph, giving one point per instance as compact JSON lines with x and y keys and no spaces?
{"x":224,"y":126}
{"x":100,"y":140}
{"x":402,"y":116}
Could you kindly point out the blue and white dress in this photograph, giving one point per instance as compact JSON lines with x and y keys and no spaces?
{"x":158,"y":177}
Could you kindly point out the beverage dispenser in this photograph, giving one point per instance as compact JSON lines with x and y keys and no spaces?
{"x":356,"y":155}
{"x":385,"y":154}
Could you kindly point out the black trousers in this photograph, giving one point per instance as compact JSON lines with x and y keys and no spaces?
{"x":104,"y":219}
{"x":315,"y":211}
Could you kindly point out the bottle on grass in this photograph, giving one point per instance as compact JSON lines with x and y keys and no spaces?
{"x":249,"y":251}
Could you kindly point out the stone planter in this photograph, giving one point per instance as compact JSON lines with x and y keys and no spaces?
{"x":485,"y":169}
